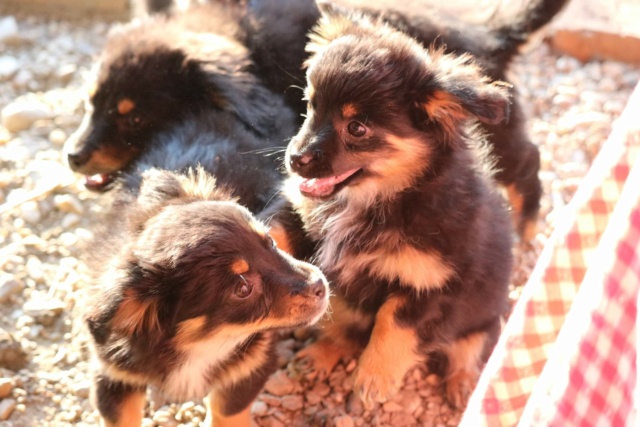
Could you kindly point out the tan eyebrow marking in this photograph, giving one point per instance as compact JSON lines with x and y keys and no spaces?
{"x":125,"y":106}
{"x":349,"y":110}
{"x":240,"y":266}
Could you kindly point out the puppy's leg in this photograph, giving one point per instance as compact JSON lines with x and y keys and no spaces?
{"x":119,"y":404}
{"x":216,"y":416}
{"x":465,"y":356}
{"x":341,"y":336}
{"x":391,"y":352}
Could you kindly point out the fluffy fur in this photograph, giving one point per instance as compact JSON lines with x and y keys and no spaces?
{"x":493,"y":42}
{"x":155,"y":72}
{"x":194,"y":289}
{"x":387,"y":178}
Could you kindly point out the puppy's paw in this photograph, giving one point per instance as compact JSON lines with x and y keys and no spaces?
{"x":315,"y":361}
{"x":458,"y":388}
{"x":375,"y":382}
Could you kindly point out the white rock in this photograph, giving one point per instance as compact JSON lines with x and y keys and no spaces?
{"x":22,"y":79}
{"x":9,"y":286}
{"x":70,"y":220}
{"x":20,"y":115}
{"x":30,"y":212}
{"x":38,"y":308}
{"x":68,"y":203}
{"x":259,"y":409}
{"x":6,"y":408}
{"x":8,"y":66}
{"x":58,"y":137}
{"x":8,"y":28}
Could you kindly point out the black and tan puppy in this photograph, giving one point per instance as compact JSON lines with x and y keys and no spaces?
{"x":387,"y":179}
{"x":193,"y":287}
{"x":155,"y":72}
{"x":191,"y":300}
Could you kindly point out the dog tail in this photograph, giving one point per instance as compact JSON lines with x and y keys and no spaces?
{"x":513,"y":28}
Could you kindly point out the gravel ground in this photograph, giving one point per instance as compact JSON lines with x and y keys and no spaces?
{"x":44,"y":368}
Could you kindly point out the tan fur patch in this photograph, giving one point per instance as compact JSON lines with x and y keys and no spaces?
{"x":446,"y":109}
{"x":240,"y":266}
{"x":127,"y":377}
{"x":198,"y":184}
{"x":281,"y":237}
{"x":131,"y":411}
{"x":516,"y":199}
{"x":189,"y":330}
{"x":215,"y":417}
{"x":464,"y":360}
{"x":125,"y":106}
{"x":391,"y":352}
{"x":415,"y":268}
{"x":349,"y":110}
{"x":247,"y":365}
{"x":134,"y":314}
{"x":106,"y":160}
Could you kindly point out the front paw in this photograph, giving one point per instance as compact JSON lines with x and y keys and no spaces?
{"x":315,"y":361}
{"x":374,"y":382}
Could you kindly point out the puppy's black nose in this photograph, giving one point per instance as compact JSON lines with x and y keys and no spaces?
{"x":76,"y":160}
{"x":300,"y":161}
{"x":317,"y":289}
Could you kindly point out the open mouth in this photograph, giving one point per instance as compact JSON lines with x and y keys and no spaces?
{"x":325,"y":187}
{"x":99,"y":182}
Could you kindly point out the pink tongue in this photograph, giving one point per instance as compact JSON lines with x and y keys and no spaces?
{"x":320,"y":187}
{"x":97,"y":182}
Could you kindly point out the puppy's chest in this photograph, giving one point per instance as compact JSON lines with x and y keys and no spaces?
{"x":356,"y":252}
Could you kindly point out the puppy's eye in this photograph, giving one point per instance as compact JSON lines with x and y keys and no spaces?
{"x":356,"y":129}
{"x":244,"y":289}
{"x":271,"y":241}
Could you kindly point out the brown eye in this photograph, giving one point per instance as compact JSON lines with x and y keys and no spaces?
{"x":244,"y":289}
{"x":356,"y":129}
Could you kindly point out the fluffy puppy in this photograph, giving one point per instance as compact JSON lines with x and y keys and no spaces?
{"x":386,"y":177}
{"x":155,"y":72}
{"x":195,"y":287}
{"x":493,"y":42}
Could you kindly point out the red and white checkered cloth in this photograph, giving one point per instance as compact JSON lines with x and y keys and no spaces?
{"x":567,"y":356}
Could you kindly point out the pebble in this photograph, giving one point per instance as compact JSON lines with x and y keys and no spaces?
{"x":82,"y":389}
{"x":70,"y":220}
{"x":9,"y":286}
{"x":6,"y":386}
{"x":68,"y":203}
{"x":8,"y":67}
{"x":41,"y":308}
{"x":292,"y":402}
{"x":6,"y":408}
{"x":8,"y":29}
{"x":344,"y":421}
{"x":392,"y":406}
{"x":20,"y":115}
{"x":279,"y":384}
{"x":58,"y":137}
{"x":401,"y":419}
{"x":259,"y":408}
{"x":12,"y":355}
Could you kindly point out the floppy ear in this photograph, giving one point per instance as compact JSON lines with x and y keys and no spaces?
{"x":125,"y":306}
{"x":459,"y":91}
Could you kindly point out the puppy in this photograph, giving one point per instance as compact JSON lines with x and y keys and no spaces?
{"x":155,"y":72}
{"x":386,"y":177}
{"x":194,"y":288}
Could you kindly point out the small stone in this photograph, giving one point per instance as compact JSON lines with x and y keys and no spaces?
{"x":66,"y":72}
{"x":312,"y":398}
{"x":163,"y":417}
{"x":12,"y":355}
{"x":70,"y":220}
{"x":68,"y":203}
{"x":433,"y":380}
{"x":35,"y":269}
{"x":8,"y":67}
{"x":6,"y":385}
{"x":40,"y":308}
{"x":321,"y":389}
{"x":279,"y":384}
{"x":82,"y":389}
{"x":409,"y":401}
{"x":354,"y":405}
{"x":20,"y":115}
{"x":6,"y":408}
{"x":401,"y":419}
{"x":351,"y":366}
{"x":22,"y":78}
{"x":270,"y":400}
{"x":58,"y":137}
{"x":344,"y":421}
{"x":392,"y":407}
{"x":9,"y":286}
{"x":30,"y":212}
{"x":259,"y":408}
{"x":292,"y":403}
{"x":8,"y":29}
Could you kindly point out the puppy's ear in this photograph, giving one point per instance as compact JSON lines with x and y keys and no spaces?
{"x":158,"y":187}
{"x":126,"y":306}
{"x":458,"y":90}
